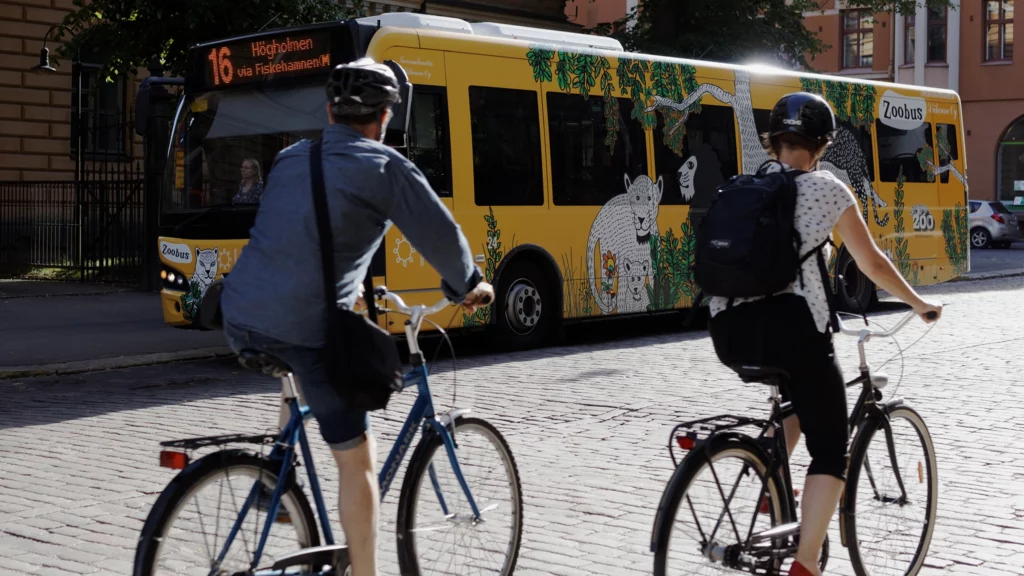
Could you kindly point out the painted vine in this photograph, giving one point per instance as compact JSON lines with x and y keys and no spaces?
{"x":901,"y":252}
{"x":852,"y":103}
{"x":955,"y":234}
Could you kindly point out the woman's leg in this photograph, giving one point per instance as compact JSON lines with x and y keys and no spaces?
{"x":819,"y":398}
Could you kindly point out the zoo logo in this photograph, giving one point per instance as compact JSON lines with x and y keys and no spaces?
{"x":923,"y":220}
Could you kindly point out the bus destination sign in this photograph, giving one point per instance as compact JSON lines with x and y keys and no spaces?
{"x":246,"y":61}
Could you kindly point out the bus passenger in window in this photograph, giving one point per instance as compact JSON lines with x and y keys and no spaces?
{"x":251,"y":186}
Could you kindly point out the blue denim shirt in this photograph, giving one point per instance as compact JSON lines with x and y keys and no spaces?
{"x":276,"y":287}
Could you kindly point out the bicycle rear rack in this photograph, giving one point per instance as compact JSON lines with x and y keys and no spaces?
{"x":202,"y":442}
{"x":179,"y":458}
{"x":694,"y":433}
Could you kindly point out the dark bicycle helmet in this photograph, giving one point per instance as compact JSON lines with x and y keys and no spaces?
{"x":805,"y":114}
{"x":361,"y":87}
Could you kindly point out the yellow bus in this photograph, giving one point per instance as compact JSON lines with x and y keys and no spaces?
{"x":571,"y":165}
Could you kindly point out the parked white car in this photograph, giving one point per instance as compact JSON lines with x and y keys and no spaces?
{"x":992,"y":224}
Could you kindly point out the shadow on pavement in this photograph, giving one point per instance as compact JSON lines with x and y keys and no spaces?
{"x":46,"y":400}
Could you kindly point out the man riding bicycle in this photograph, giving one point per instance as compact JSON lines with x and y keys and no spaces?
{"x":273,"y":302}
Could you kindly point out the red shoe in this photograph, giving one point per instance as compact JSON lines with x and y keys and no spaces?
{"x":797,"y":569}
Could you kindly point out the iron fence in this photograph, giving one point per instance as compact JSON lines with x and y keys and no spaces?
{"x":92,"y":227}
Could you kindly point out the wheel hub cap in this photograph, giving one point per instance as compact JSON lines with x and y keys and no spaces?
{"x":523,"y":307}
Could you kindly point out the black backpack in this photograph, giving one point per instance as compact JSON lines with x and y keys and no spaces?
{"x":746,"y":243}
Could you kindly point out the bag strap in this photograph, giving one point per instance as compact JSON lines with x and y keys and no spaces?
{"x":323,"y":227}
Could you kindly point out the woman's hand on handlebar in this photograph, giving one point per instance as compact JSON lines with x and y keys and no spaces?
{"x":482,"y":295}
{"x":928,"y":312}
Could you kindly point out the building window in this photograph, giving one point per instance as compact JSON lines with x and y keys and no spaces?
{"x":506,"y":147}
{"x":1010,"y":164}
{"x":937,"y":34}
{"x":429,"y":147}
{"x":103,"y":124}
{"x":858,"y":38}
{"x":998,"y":30}
{"x":584,"y":169}
{"x":908,"y":38}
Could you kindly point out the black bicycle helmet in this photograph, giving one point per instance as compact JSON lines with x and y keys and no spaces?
{"x":361,"y":87}
{"x":803,"y":113}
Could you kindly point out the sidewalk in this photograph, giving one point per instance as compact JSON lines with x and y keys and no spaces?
{"x":69,"y":327}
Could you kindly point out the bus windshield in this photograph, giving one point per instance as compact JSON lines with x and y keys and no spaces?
{"x":224,"y":143}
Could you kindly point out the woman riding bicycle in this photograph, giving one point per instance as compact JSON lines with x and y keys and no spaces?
{"x":790,"y":330}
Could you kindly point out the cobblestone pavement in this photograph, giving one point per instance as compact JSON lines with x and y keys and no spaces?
{"x":587,"y":422}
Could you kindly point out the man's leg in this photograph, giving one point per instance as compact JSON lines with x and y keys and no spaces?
{"x":359,"y":503}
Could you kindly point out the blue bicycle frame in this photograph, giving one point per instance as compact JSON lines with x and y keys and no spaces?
{"x":421,"y":414}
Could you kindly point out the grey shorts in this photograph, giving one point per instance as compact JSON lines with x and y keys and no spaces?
{"x":342,"y":427}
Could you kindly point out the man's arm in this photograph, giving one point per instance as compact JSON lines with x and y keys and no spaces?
{"x":430,"y":227}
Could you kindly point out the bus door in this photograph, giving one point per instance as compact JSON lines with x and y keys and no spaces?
{"x":952,"y":182}
{"x":906,"y":153}
{"x":407,"y":272}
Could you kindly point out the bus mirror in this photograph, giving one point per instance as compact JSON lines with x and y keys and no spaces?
{"x":398,"y":128}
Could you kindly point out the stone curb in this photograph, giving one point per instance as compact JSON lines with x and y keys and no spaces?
{"x":78,"y":367}
{"x":971,"y":276}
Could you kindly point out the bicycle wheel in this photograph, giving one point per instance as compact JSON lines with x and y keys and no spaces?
{"x":434,"y":516}
{"x":694,"y":503}
{"x":188,"y":525}
{"x":887,"y":534}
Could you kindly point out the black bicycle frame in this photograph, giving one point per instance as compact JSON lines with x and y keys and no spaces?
{"x":865,"y":408}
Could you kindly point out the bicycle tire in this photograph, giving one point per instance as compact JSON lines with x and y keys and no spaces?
{"x":193,"y":476}
{"x":719,"y":447}
{"x":408,"y":557}
{"x":859,"y":453}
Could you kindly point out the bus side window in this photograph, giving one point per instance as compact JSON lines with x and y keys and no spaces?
{"x":587,"y":166}
{"x":707,"y":156}
{"x":429,"y":145}
{"x":506,"y":147}
{"x":946,"y":143}
{"x":904,"y":149}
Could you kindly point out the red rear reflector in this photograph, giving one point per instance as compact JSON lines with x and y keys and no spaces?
{"x":173,"y":460}
{"x":998,"y":218}
{"x":685,"y":443}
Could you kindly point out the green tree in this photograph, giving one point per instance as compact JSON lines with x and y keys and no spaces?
{"x":127,"y":35}
{"x":770,"y":31}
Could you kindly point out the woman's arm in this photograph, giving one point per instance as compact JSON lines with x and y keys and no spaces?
{"x":876,"y":266}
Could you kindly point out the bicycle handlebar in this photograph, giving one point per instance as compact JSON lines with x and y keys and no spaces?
{"x":402,"y":308}
{"x":867,"y":332}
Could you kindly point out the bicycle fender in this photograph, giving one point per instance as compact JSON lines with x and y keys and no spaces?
{"x":698,"y":452}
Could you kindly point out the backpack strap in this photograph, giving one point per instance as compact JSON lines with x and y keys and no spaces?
{"x":833,"y":317}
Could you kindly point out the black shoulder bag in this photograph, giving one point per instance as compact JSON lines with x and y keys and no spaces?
{"x":362,"y":359}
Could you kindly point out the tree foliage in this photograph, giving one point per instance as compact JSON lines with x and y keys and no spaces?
{"x":129,"y":35}
{"x":738,"y":31}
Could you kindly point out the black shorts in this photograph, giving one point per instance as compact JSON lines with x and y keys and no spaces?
{"x":780,"y":332}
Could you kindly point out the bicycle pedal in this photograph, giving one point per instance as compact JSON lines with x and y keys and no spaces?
{"x":333,"y":555}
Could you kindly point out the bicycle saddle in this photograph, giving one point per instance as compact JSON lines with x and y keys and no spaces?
{"x":269,"y":365}
{"x":762,"y":374}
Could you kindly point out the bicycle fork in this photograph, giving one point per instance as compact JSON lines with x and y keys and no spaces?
{"x":449,"y":445}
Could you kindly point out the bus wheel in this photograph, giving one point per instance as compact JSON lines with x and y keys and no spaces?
{"x":524,"y":306}
{"x":854,"y":291}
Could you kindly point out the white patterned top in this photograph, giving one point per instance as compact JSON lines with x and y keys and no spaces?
{"x":821,"y":199}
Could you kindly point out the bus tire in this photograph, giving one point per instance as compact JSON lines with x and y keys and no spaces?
{"x":525,"y":306}
{"x":854,"y":291}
